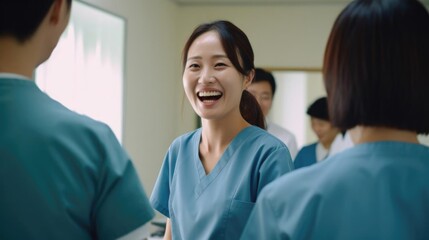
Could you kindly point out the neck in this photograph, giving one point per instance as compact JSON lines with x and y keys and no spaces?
{"x":217,"y":134}
{"x":18,"y":58}
{"x":326,"y":145}
{"x":363,"y":134}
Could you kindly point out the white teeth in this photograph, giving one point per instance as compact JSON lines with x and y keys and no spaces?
{"x":209,"y":94}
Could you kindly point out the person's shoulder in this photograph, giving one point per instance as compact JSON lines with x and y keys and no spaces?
{"x":46,"y":112}
{"x":309,"y":146}
{"x":342,"y":170}
{"x":305,"y":154}
{"x":297,"y":183}
{"x":301,"y":183}
{"x":321,"y":174}
{"x":299,"y":194}
{"x":186,"y":139}
{"x":188,"y":135}
{"x":59,"y":117}
{"x":182,"y":148}
{"x":80,"y":123}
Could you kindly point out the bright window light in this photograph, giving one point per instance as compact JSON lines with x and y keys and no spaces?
{"x":86,"y":70}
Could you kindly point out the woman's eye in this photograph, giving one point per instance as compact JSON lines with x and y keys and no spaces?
{"x":220,"y":65}
{"x":193,"y":66}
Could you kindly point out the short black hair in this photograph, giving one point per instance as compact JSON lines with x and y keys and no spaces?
{"x":262,"y":75}
{"x":21,"y":18}
{"x":376,"y":66}
{"x":319,"y":109}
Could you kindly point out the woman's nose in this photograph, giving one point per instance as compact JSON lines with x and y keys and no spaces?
{"x":207,"y":76}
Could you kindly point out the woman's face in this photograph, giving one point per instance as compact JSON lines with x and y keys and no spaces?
{"x":324,"y":130}
{"x":212,"y":84}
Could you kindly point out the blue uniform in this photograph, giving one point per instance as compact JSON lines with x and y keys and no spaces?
{"x":376,"y":190}
{"x":217,"y":205}
{"x":306,"y":156}
{"x":62,"y":175}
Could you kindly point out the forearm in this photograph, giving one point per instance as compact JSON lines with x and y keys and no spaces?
{"x":167,"y":235}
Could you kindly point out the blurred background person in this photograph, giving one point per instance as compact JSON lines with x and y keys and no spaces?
{"x":263,"y":88}
{"x":325,"y":132}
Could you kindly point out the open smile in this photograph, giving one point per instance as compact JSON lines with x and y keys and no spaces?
{"x":209,"y":96}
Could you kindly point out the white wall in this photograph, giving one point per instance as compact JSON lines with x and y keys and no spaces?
{"x":289,"y":104}
{"x":296,"y":90}
{"x":152,"y":89}
{"x":281,"y":35}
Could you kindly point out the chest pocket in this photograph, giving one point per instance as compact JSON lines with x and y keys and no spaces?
{"x":238,"y":215}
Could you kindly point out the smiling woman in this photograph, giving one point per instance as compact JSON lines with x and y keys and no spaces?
{"x":211,"y":177}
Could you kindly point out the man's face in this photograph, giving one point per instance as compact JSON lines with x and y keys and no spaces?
{"x":263,"y":94}
{"x":324,"y":130}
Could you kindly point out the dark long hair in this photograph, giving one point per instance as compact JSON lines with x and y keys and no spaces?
{"x":251,"y":111}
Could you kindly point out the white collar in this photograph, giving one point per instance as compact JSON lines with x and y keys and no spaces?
{"x":321,"y":152}
{"x":13,"y":75}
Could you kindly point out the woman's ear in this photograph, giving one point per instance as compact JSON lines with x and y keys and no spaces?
{"x":248,"y":79}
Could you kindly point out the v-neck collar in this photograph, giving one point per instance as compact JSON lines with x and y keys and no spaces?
{"x":206,"y":179}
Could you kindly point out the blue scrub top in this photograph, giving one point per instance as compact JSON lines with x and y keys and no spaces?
{"x":376,"y":190}
{"x":62,"y":175}
{"x":306,"y":156}
{"x":217,"y":205}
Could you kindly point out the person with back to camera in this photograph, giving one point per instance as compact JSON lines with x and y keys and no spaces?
{"x":326,"y":133}
{"x":211,"y":177}
{"x":263,"y":88}
{"x":377,"y":77}
{"x":62,"y":175}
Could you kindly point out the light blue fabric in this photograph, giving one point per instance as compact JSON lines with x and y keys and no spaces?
{"x":374,"y":191}
{"x":62,"y":175}
{"x":306,"y":156}
{"x":217,"y":205}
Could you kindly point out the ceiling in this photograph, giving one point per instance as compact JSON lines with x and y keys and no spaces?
{"x":259,"y":2}
{"x":264,"y":2}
